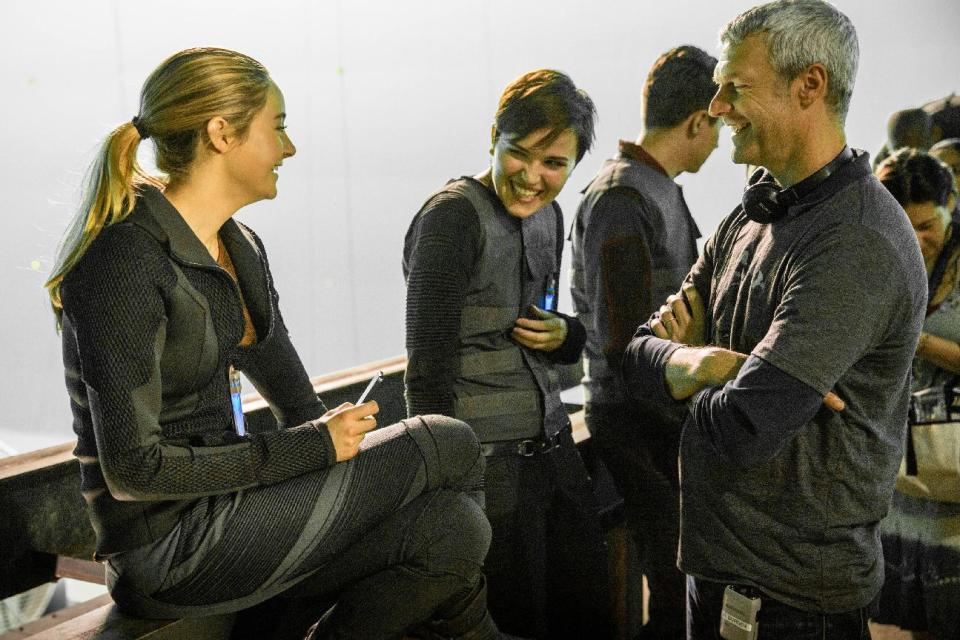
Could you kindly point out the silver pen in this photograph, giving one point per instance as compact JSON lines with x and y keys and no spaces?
{"x":377,"y":378}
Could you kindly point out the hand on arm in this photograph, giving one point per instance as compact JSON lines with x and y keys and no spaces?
{"x":682,"y":318}
{"x":689,"y":370}
{"x":347,"y":425}
{"x":545,"y":333}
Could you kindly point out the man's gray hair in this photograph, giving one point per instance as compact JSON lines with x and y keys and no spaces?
{"x":800,"y":33}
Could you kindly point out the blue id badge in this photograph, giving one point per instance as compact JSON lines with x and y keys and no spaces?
{"x":549,"y":300}
{"x":235,"y":401}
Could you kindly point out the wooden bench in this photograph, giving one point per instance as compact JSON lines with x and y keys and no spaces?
{"x":47,"y":534}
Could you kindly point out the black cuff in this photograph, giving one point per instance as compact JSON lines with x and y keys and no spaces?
{"x":294,"y":451}
{"x":569,"y":352}
{"x":644,"y":367}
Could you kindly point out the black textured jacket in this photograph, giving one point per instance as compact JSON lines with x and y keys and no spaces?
{"x":150,"y":326}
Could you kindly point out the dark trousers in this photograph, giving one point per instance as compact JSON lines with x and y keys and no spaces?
{"x":419,"y":558}
{"x":641,"y":455}
{"x":547,"y":565}
{"x":396,"y":536}
{"x":776,"y":620}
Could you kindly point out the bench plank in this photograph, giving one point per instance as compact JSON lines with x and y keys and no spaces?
{"x":57,"y":617}
{"x":107,"y":623}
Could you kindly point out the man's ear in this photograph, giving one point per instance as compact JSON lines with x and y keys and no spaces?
{"x":493,"y":137}
{"x":812,"y":84}
{"x":220,"y":134}
{"x":695,"y":121}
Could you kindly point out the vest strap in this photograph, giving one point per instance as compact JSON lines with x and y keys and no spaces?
{"x":497,"y":404}
{"x":475,"y":320}
{"x":487,"y":362}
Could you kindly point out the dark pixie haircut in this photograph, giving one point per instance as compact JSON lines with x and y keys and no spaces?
{"x":914,"y":176}
{"x":546,"y":99}
{"x":679,"y":83}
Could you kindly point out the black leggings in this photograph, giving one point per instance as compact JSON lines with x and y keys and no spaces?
{"x":395,"y":532}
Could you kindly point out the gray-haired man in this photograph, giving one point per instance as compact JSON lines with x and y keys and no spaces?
{"x":813,"y":287}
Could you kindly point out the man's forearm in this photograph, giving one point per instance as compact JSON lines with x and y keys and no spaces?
{"x":690,"y":369}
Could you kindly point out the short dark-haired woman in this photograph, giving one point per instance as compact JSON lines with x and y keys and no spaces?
{"x":921,"y":536}
{"x":482,"y":259}
{"x":162,"y":297}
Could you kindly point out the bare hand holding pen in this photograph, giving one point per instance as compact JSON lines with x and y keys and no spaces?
{"x":348,"y":424}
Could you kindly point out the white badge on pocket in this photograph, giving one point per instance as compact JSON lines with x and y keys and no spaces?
{"x":738,"y":618}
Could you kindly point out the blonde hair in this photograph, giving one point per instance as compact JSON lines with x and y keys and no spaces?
{"x":176,"y":103}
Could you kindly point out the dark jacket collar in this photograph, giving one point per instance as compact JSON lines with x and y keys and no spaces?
{"x":638,"y":154}
{"x":162,"y":220}
{"x":157,"y":216}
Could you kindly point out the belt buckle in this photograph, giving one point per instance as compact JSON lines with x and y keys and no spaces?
{"x":527,"y":448}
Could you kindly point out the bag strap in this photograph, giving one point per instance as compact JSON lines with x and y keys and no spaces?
{"x":911,"y":453}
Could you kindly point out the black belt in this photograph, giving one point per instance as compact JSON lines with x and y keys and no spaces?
{"x":528,"y":447}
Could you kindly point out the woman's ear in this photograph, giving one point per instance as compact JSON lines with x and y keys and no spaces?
{"x":220,"y":134}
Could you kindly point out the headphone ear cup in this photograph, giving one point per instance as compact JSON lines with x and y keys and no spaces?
{"x":761,"y":204}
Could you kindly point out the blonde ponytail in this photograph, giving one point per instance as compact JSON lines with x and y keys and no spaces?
{"x":108,"y":197}
{"x":176,"y":102}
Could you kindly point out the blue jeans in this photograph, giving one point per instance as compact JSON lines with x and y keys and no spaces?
{"x":776,"y":620}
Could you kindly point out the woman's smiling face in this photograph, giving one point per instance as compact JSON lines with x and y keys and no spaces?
{"x":529,"y":172}
{"x":256,"y":160}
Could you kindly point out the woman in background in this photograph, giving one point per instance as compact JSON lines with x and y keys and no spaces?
{"x":921,"y":537}
{"x":162,"y":297}
{"x":948,"y":152}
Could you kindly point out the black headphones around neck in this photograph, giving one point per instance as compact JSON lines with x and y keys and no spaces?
{"x":765,"y":201}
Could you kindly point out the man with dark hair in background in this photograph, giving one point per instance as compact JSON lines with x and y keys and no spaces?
{"x":633,"y":242}
{"x":920,"y":128}
{"x":791,"y":345}
{"x":945,"y":117}
{"x":909,"y":128}
{"x":906,"y":128}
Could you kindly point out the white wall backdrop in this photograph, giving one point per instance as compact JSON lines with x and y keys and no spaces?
{"x":386,"y":100}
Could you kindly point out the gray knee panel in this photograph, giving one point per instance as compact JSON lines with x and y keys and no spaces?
{"x":451,"y":452}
